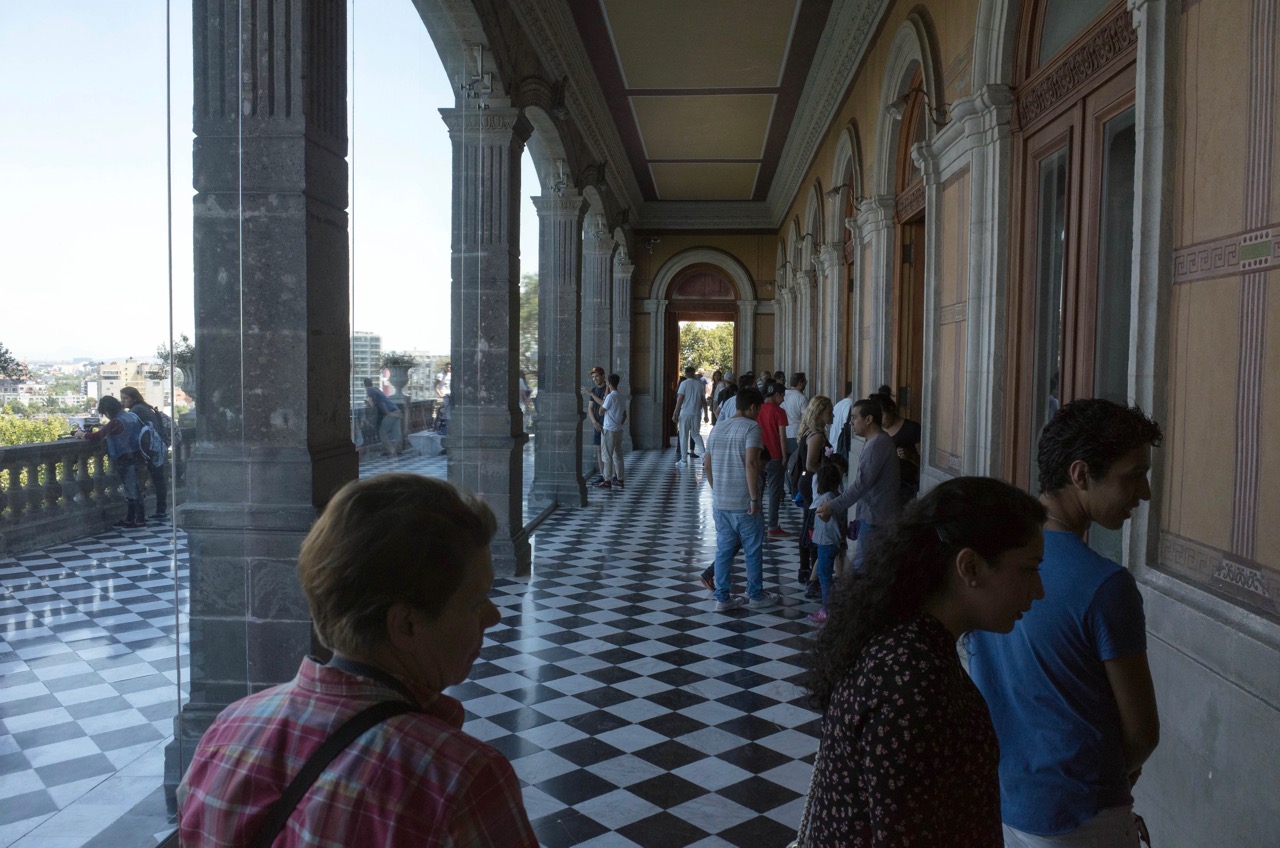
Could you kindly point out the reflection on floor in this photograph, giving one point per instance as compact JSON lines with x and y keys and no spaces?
{"x":633,"y":714}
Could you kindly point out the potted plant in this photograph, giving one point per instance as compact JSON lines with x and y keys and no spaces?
{"x":398,"y":365}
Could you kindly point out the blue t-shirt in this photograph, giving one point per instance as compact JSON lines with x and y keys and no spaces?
{"x":1061,"y":748}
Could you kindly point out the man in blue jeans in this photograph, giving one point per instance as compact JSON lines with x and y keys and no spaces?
{"x":732,"y":466}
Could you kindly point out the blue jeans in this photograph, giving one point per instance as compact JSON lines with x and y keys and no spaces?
{"x":866,"y":535}
{"x":739,"y":530}
{"x":127,"y":471}
{"x":826,"y":570}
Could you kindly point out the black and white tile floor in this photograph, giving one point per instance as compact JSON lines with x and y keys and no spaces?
{"x":633,"y":713}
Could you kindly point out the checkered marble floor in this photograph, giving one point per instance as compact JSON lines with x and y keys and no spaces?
{"x":633,"y":714}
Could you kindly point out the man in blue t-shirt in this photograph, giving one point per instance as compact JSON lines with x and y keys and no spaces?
{"x":1069,"y":689}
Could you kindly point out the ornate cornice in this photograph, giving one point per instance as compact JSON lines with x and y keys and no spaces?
{"x":487,"y":123}
{"x":1111,"y":39}
{"x":910,"y":202}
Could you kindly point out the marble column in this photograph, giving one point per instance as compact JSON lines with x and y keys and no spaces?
{"x":597,"y":318}
{"x":557,"y":460}
{"x":621,"y":362}
{"x":486,"y":430}
{"x":804,"y":326}
{"x":272,"y":340}
{"x":834,"y":296}
{"x":876,"y":220}
{"x":782,"y":324}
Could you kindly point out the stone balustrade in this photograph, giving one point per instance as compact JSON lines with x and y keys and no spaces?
{"x":54,"y":492}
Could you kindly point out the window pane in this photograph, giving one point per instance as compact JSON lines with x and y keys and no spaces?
{"x":1051,"y":235}
{"x":1063,"y":20}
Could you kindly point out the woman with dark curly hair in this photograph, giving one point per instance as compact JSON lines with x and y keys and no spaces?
{"x":908,"y":754}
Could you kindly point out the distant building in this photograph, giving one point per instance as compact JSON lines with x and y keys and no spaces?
{"x":149,"y":378}
{"x":366,"y":360}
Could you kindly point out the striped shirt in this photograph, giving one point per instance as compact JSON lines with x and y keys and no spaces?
{"x":415,"y":779}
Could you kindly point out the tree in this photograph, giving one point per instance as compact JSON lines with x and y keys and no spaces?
{"x":182,"y":356}
{"x":529,"y":328}
{"x":30,"y":431}
{"x":10,"y":367}
{"x":706,"y":346}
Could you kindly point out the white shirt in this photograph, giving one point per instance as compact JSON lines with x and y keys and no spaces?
{"x":840,"y":414}
{"x":615,"y":407}
{"x":793,"y":402}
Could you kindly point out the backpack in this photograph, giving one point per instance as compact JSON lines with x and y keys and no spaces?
{"x":844,"y":442}
{"x":795,"y":469}
{"x":151,"y":446}
{"x":169,"y":431}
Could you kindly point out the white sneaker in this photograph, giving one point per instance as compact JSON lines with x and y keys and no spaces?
{"x":766,"y":599}
{"x":680,"y":463}
{"x":734,"y":602}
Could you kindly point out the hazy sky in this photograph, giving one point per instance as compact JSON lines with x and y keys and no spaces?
{"x":83,"y":255}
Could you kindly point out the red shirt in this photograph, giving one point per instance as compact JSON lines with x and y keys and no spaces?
{"x":415,"y":779}
{"x":771,"y":417}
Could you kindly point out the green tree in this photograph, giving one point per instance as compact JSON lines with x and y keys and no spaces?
{"x":706,"y":346}
{"x":29,"y":431}
{"x":10,"y":367}
{"x":182,"y":356}
{"x":529,"y":328}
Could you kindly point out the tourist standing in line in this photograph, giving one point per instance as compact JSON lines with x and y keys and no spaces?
{"x":732,"y":468}
{"x":691,"y":398}
{"x":813,"y":447}
{"x":876,"y":486}
{"x":1070,"y":688}
{"x":906,"y":440}
{"x":613,"y":416}
{"x":773,"y":426}
{"x":840,"y":416}
{"x":908,"y":755}
{"x":713,"y":399}
{"x":794,"y":403}
{"x":131,"y":399}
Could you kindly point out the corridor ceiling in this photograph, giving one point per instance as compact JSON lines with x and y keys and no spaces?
{"x":702,"y":93}
{"x":708,"y":113}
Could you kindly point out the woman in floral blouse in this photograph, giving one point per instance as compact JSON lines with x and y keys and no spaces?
{"x":908,"y":754}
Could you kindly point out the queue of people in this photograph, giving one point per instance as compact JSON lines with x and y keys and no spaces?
{"x":1036,"y":742}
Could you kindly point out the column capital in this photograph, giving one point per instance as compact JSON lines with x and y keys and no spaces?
{"x":568,"y":205}
{"x":830,"y":258}
{"x":876,"y":212}
{"x":487,"y":125}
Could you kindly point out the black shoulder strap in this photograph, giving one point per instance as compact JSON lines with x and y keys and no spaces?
{"x":284,"y":806}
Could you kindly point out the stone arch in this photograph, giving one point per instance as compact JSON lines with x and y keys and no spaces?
{"x":794,"y":246}
{"x":846,"y":179}
{"x":994,"y":42}
{"x":660,"y":288}
{"x":814,"y":228}
{"x":913,"y":48}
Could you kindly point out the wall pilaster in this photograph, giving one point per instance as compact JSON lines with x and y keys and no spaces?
{"x":557,"y":462}
{"x":876,"y":220}
{"x":486,"y":432}
{"x":597,"y":320}
{"x":833,"y":296}
{"x":621,"y":360}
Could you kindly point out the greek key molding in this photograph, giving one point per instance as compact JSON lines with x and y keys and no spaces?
{"x":1228,"y":256}
{"x":946,"y":462}
{"x":953,"y":313}
{"x":910,"y":202}
{"x":1114,"y":37}
{"x":1249,"y":583}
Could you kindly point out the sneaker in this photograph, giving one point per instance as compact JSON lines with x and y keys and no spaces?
{"x":813,"y":591}
{"x":680,"y":463}
{"x":617,"y":484}
{"x":766,"y":599}
{"x":122,"y":523}
{"x":819,"y":617}
{"x":734,"y":602}
{"x":604,"y":484}
{"x":779,"y":533}
{"x":132,"y":525}
{"x":159,"y":516}
{"x":707,"y":582}
{"x":694,"y":455}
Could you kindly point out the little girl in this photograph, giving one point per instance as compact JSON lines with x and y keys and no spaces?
{"x":828,"y":534}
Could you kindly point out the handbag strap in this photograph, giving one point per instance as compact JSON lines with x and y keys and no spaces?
{"x":351,"y":730}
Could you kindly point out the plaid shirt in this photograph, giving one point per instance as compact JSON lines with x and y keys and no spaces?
{"x":416,"y":779}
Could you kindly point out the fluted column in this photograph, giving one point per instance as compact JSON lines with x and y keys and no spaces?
{"x":486,"y":429}
{"x":834,"y":296}
{"x":557,"y":457}
{"x":782,"y":323}
{"x":271,"y":337}
{"x":597,"y":318}
{"x":804,"y":323}
{"x":876,"y":220}
{"x":621,"y":363}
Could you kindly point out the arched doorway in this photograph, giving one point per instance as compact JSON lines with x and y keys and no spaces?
{"x":700,"y":292}
{"x":909,"y":218}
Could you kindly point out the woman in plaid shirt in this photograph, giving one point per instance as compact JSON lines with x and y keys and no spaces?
{"x":397,"y":573}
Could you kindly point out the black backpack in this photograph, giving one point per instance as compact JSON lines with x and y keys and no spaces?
{"x":169,"y":432}
{"x":844,"y":442}
{"x":795,"y":468}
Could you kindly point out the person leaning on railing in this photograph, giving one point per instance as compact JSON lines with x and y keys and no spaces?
{"x":121,"y":434}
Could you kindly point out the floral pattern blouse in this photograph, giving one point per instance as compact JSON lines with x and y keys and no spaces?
{"x":908,"y":755}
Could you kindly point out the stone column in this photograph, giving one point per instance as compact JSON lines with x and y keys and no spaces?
{"x":804,"y":326}
{"x":782,"y":323}
{"x":876,"y":220}
{"x":486,"y":430}
{"x":747,"y":336}
{"x":834,"y":299}
{"x":621,"y":362}
{"x":272,"y":340}
{"x":597,"y":318}
{"x":557,"y":462}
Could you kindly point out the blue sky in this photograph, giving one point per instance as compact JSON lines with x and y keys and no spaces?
{"x":83,"y":228}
